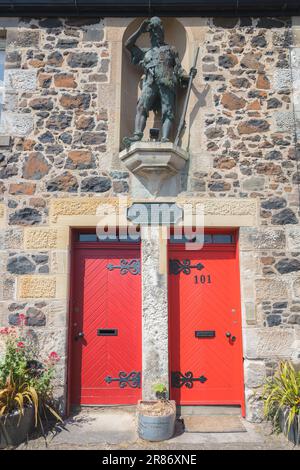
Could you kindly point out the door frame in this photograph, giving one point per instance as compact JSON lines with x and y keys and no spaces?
{"x":234,"y":247}
{"x":76,"y":245}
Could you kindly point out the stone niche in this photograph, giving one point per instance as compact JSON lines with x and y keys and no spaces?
{"x":175,"y":34}
{"x":155,"y":166}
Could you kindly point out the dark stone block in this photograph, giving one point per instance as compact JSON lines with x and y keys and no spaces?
{"x":120,"y":186}
{"x":65,"y":182}
{"x":46,"y":138}
{"x":14,"y":306}
{"x":54,"y":149}
{"x":288,"y":265}
{"x":41,"y":258}
{"x":274,"y":103}
{"x":82,"y":59}
{"x":20,"y":265}
{"x":12,"y":204}
{"x":272,"y":22}
{"x":25,"y":216}
{"x":93,"y":138}
{"x":8,"y":171}
{"x":227,"y":61}
{"x":259,"y":41}
{"x":50,"y":23}
{"x":59,"y":121}
{"x":214,"y":78}
{"x":43,"y":269}
{"x":219,"y":186}
{"x":66,"y":138}
{"x":96,"y":184}
{"x":274,"y":320}
{"x":67,"y":43}
{"x":284,"y":217}
{"x":274,"y":203}
{"x":55,"y":58}
{"x":119,"y":175}
{"x":82,"y":21}
{"x":224,"y":22}
{"x":41,"y":104}
{"x":274,"y":155}
{"x":280,"y":305}
{"x":296,"y":178}
{"x":35,"y":317}
{"x":13,"y":319}
{"x":294,"y":319}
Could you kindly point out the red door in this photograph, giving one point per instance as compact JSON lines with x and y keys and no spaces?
{"x":106,"y":324}
{"x":205,"y":326}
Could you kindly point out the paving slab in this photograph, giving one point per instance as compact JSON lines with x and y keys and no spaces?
{"x":109,"y":429}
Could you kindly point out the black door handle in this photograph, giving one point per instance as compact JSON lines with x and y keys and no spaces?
{"x":79,"y":335}
{"x":231,"y":338}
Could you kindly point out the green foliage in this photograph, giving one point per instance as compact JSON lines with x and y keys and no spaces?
{"x":24,"y":379}
{"x":160,"y":391}
{"x":281,"y":395}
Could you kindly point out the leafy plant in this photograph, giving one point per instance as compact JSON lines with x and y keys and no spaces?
{"x":25,"y":380}
{"x":281,"y":395}
{"x":160,"y":391}
{"x":17,"y":396}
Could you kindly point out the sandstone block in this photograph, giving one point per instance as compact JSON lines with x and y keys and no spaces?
{"x":271,"y":288}
{"x":37,"y":287}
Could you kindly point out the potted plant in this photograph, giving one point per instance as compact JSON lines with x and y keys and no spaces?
{"x":281,"y":395}
{"x":25,"y":385}
{"x":156,"y":418}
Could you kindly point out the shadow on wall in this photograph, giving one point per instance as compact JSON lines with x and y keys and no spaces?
{"x":175,"y":35}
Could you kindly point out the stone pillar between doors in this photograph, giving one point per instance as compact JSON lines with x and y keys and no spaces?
{"x":155,"y":367}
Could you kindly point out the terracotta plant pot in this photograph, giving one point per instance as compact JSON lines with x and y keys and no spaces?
{"x":293,"y":433}
{"x":13,"y":432}
{"x":156,"y":422}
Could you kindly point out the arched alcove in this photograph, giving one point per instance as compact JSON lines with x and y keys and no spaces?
{"x":175,"y":35}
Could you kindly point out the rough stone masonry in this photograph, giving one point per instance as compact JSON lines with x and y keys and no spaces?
{"x":55,"y":128}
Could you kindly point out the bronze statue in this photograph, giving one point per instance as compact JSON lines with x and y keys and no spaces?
{"x":162,"y":74}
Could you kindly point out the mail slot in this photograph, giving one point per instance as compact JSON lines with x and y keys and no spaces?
{"x":107,"y":332}
{"x":205,"y":333}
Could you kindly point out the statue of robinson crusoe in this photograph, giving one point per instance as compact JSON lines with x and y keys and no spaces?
{"x":162,"y":74}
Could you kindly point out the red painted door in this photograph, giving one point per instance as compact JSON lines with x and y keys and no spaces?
{"x":106,"y":325}
{"x":205,"y":326}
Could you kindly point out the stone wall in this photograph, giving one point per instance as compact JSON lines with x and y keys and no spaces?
{"x":243,"y":145}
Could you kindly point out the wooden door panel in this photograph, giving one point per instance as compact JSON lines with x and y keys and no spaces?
{"x":105,"y":299}
{"x":208,"y":302}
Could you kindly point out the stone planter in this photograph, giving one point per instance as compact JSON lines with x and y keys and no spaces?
{"x":153,"y":426}
{"x":13,"y":432}
{"x":293,"y":434}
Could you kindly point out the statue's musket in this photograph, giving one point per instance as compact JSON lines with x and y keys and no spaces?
{"x":186,"y":102}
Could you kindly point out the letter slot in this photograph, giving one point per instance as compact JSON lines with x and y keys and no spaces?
{"x":205,"y":333}
{"x":107,"y":332}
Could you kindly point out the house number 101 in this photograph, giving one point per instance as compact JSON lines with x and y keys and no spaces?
{"x":202,"y":279}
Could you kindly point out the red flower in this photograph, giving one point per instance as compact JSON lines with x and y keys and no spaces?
{"x":22,"y":318}
{"x":54,"y":357}
{"x":4,"y":331}
{"x":20,"y":344}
